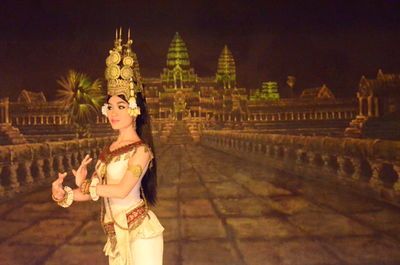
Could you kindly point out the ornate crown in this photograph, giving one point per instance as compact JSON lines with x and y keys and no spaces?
{"x":122,"y":72}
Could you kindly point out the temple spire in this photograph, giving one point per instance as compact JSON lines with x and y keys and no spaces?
{"x":177,"y":53}
{"x":226,"y":70}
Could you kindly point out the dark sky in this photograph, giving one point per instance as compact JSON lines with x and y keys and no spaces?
{"x":332,"y":42}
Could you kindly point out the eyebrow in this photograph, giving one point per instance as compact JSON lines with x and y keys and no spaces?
{"x":121,"y":102}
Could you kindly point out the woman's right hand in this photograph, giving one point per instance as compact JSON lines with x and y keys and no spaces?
{"x":57,"y":187}
{"x":81,"y":173}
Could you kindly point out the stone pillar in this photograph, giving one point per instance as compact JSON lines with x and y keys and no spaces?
{"x":356,"y":162}
{"x":342,"y":162}
{"x":376,"y":168}
{"x":286,"y":152}
{"x":14,"y":183}
{"x":311,"y":158}
{"x":299,"y":154}
{"x":60,"y":165}
{"x":326,"y":160}
{"x":51,"y":167}
{"x":40,"y":171}
{"x":7,"y":111}
{"x":68,"y":156}
{"x":376,"y":105}
{"x":369,"y":99}
{"x":28,"y":172}
{"x":360,"y":105}
{"x":276,"y":151}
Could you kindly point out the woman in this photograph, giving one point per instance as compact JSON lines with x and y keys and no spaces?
{"x":125,"y":178}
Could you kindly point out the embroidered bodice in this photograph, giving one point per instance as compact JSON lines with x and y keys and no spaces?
{"x":113,"y":166}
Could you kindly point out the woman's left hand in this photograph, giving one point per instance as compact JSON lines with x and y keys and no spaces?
{"x":81,"y":173}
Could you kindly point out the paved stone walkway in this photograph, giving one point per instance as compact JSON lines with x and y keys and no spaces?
{"x":217,"y":210}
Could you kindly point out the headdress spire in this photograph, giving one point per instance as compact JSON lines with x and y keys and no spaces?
{"x":121,"y":75}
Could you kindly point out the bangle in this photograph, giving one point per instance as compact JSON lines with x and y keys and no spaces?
{"x":84,"y":188}
{"x":68,"y":198}
{"x":92,"y":189}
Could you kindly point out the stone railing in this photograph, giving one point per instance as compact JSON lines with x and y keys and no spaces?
{"x":369,"y":166}
{"x":25,"y":166}
{"x":275,"y":116}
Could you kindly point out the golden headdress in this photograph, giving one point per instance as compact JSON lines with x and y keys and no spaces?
{"x":122,"y":72}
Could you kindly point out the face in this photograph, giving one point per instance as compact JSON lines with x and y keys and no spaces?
{"x":117,"y":113}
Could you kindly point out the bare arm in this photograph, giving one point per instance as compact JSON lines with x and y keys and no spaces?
{"x":80,"y":197}
{"x":141,"y":158}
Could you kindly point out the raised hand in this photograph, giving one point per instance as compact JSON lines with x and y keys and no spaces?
{"x":57,"y":187}
{"x":81,"y":173}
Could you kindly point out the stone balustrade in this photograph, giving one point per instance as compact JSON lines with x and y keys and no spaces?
{"x":28,"y":165}
{"x":264,"y":116}
{"x":365,"y":165}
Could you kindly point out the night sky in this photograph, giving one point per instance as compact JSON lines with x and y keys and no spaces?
{"x":332,"y":42}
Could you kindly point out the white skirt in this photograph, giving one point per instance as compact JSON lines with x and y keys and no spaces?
{"x":140,"y":246}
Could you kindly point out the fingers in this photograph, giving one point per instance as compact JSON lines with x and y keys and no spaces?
{"x":85,"y":161}
{"x":60,"y":179}
{"x":62,"y":175}
{"x":74,"y":172}
{"x":87,"y":157}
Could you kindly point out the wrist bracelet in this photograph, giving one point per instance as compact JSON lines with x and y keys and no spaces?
{"x":84,"y":188}
{"x":93,"y":189}
{"x":68,"y":198}
{"x":55,"y":199}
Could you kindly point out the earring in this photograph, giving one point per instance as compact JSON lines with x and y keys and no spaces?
{"x":104,"y":109}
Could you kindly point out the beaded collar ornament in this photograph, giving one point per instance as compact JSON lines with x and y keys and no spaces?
{"x":122,"y":73}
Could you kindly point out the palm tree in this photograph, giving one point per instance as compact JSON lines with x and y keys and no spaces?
{"x":82,"y":100}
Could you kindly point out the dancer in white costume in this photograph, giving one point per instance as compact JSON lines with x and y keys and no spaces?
{"x":125,"y":175}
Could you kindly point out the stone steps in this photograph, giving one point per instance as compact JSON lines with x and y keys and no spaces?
{"x":179,"y":134}
{"x":10,"y":135}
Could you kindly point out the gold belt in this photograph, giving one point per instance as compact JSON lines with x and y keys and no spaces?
{"x":134,"y":218}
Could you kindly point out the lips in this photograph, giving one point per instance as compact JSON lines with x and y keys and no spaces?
{"x":114,"y":121}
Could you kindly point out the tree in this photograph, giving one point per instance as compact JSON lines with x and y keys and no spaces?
{"x":82,"y":100}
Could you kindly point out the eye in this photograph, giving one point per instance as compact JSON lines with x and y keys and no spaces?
{"x":121,"y":107}
{"x":109,"y":107}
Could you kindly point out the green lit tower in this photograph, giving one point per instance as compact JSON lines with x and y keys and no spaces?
{"x":178,"y":74}
{"x":226,"y":71}
{"x":268,"y":91}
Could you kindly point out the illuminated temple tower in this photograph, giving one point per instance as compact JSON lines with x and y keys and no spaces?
{"x":226,"y":72}
{"x":178,"y":73}
{"x":180,"y":93}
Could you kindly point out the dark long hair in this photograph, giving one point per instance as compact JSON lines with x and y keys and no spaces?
{"x":143,"y":129}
